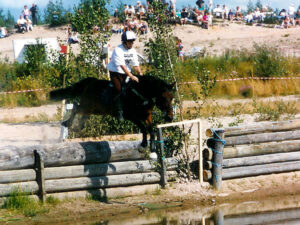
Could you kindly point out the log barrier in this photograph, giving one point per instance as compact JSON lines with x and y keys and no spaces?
{"x":256,"y":149}
{"x":64,"y":169}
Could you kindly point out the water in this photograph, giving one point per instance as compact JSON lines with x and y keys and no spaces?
{"x":279,"y":210}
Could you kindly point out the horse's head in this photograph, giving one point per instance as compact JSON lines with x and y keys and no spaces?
{"x":164,"y":102}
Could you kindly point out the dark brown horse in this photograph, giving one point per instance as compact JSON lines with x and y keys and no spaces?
{"x":96,"y":97}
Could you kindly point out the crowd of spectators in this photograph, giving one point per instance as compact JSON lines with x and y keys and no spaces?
{"x":24,"y":23}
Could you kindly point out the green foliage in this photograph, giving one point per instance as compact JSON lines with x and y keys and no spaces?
{"x":88,"y":14}
{"x":121,"y":14}
{"x":258,"y":4}
{"x":250,"y":6}
{"x":8,"y":20}
{"x":24,"y":203}
{"x":280,"y":110}
{"x":161,"y":49}
{"x":34,"y":57}
{"x":268,"y":62}
{"x":55,"y":13}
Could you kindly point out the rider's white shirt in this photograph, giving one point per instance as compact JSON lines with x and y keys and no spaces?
{"x":122,"y":56}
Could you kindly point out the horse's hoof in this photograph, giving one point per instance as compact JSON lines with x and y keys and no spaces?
{"x":153,"y":156}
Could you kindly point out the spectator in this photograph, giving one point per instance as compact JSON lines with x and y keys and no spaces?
{"x":218,"y":11}
{"x":142,"y":12}
{"x":131,"y":11}
{"x":173,"y":8}
{"x":25,"y":12}
{"x":200,"y":18}
{"x":230,"y":15}
{"x":282,"y":14}
{"x":257,"y":16}
{"x":292,"y":10}
{"x":33,"y":11}
{"x":133,"y":24}
{"x":297,"y":16}
{"x":137,"y":7}
{"x":126,"y":9}
{"x":249,"y":18}
{"x":21,"y":24}
{"x":28,"y":24}
{"x":225,"y":12}
{"x":180,"y":51}
{"x":285,"y":23}
{"x":116,"y":16}
{"x":238,"y":13}
{"x":143,"y":28}
{"x":205,"y":21}
{"x":3,"y":32}
{"x":184,"y":16}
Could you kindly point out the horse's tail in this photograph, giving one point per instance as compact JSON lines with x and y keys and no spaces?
{"x":70,"y":92}
{"x":62,"y":93}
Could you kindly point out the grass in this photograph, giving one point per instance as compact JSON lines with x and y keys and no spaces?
{"x":41,"y":117}
{"x":21,"y":202}
{"x":272,"y":110}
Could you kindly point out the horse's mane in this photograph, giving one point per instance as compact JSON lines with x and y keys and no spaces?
{"x":153,"y":84}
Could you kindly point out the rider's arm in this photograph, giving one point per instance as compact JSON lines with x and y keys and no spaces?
{"x":138,"y":69}
{"x":126,"y":71}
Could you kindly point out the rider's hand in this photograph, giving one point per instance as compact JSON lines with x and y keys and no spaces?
{"x":134,"y":78}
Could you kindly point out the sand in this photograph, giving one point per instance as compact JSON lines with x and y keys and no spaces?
{"x":215,"y":40}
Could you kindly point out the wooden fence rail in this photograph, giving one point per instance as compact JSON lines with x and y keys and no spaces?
{"x":257,"y":149}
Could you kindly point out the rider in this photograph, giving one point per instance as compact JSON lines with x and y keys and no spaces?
{"x":123,"y":57}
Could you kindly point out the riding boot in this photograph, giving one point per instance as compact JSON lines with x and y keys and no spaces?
{"x":119,"y":109}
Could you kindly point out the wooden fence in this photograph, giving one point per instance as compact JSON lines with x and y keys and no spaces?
{"x":78,"y":169}
{"x":262,"y":148}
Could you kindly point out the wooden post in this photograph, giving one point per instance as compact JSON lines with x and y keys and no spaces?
{"x":200,"y":153}
{"x":163,"y":171}
{"x":217,"y":159}
{"x":218,"y":217}
{"x":40,"y":175}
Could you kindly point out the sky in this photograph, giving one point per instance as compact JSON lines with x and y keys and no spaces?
{"x":16,"y":6}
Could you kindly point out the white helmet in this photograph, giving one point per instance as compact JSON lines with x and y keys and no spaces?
{"x":128,"y":36}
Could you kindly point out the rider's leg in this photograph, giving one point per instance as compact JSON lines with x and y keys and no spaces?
{"x":117,"y":80}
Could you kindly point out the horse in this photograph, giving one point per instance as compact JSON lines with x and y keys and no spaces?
{"x":138,"y":99}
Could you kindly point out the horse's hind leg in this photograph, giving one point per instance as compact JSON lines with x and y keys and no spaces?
{"x":68,"y":122}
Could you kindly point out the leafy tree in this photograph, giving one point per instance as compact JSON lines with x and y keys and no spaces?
{"x":90,"y":19}
{"x":258,"y":4}
{"x":250,"y":6}
{"x":9,"y":20}
{"x":2,"y":18}
{"x":121,"y":14}
{"x":55,"y":14}
{"x":88,"y":14}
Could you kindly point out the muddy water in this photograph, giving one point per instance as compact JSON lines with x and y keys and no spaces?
{"x":279,"y":210}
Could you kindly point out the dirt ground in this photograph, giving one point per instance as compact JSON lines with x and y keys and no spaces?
{"x":215,"y":40}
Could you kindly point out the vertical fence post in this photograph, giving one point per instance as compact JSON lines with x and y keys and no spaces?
{"x":218,"y":158}
{"x":40,"y":175}
{"x":200,"y":153}
{"x":163,"y":169}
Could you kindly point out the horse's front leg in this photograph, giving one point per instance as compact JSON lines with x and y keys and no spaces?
{"x":143,"y":128}
{"x":152,"y":137}
{"x":68,"y":122}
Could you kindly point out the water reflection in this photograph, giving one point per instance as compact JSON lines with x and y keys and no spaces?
{"x":277,"y":210}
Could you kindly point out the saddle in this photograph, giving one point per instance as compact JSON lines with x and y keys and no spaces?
{"x":109,"y":95}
